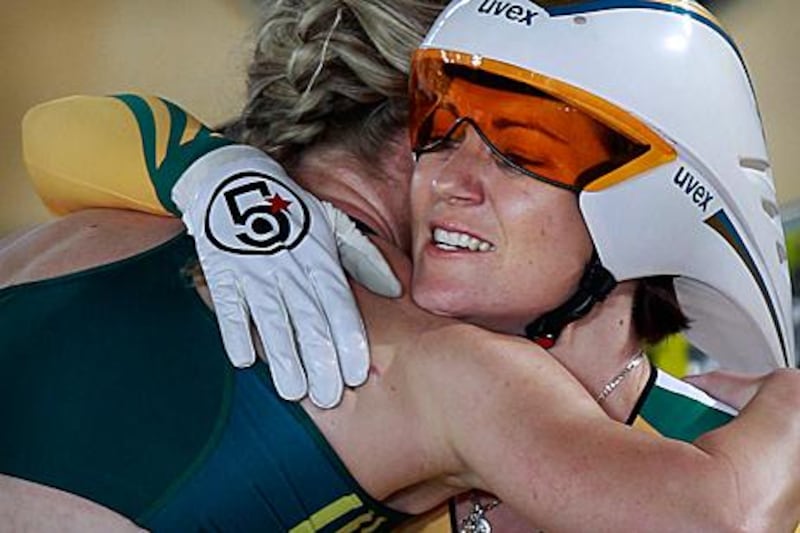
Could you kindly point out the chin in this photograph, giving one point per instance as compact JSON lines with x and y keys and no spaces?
{"x":433,"y":303}
{"x":453,"y":303}
{"x":439,"y":300}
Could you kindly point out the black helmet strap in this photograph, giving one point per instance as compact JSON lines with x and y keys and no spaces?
{"x":594,"y":286}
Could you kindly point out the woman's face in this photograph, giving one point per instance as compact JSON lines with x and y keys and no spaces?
{"x":492,"y":245}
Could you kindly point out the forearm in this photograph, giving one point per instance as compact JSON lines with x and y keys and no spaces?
{"x":27,"y":506}
{"x":553,"y":461}
{"x":122,"y":151}
{"x":628,"y":488}
{"x":741,"y":476}
{"x":762,"y":446}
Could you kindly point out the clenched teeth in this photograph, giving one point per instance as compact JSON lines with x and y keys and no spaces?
{"x":455,"y":240}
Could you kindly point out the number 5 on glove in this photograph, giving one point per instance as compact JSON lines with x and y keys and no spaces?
{"x":259,"y":221}
{"x":269,"y":252}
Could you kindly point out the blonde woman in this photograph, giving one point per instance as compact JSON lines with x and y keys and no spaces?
{"x":448,"y":404}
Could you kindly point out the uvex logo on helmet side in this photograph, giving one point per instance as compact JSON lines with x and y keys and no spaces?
{"x":509,"y":10}
{"x":693,"y":188}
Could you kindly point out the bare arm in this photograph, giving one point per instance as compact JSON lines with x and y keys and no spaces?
{"x":733,"y":388}
{"x":80,"y":241}
{"x":523,"y":428}
{"x":26,"y":506}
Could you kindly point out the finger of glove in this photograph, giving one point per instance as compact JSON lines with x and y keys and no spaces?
{"x":280,"y":343}
{"x":360,"y":258}
{"x":346,"y":326}
{"x":186,"y":218}
{"x":232,"y":314}
{"x":367,"y":266}
{"x":315,"y":341}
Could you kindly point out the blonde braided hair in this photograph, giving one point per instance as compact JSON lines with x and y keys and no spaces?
{"x":332,"y":71}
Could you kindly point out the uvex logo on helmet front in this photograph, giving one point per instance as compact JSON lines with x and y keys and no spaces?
{"x":509,"y":10}
{"x":252,"y":213}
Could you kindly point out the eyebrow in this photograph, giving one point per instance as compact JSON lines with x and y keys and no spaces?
{"x":450,"y":106}
{"x":503,"y":123}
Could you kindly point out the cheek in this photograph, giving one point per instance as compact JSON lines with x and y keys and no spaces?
{"x":554,"y":239}
{"x":574,"y":250}
{"x":576,"y":227}
{"x":566,"y":226}
{"x":417,"y":191}
{"x":420,"y":196}
{"x":420,"y":187}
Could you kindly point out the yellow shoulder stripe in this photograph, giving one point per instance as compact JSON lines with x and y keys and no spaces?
{"x":328,"y":514}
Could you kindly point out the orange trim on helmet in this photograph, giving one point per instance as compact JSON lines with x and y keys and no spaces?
{"x":658,"y":151}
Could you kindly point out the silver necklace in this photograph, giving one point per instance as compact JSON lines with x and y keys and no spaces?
{"x":476,"y":521}
{"x":614,"y":382}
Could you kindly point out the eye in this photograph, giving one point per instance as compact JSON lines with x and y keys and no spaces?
{"x":529,"y":148}
{"x":451,"y":140}
{"x":437,"y":149}
{"x":526,"y":161}
{"x":440,"y":131}
{"x":520,"y":164}
{"x":509,"y":165}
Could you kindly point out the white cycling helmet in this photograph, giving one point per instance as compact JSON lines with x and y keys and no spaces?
{"x":698,"y":201}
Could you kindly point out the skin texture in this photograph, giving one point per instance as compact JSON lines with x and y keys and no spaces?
{"x":431,"y":429}
{"x":31,"y":507}
{"x":539,"y":243}
{"x":426,"y":430}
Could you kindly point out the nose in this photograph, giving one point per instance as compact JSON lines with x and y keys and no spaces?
{"x":457,"y":180}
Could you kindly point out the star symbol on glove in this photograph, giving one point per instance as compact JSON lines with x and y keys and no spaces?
{"x":278,"y":204}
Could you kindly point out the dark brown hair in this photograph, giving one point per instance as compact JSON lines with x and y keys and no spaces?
{"x":656,"y":312}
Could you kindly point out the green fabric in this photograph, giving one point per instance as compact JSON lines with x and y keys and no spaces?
{"x":118,"y":390}
{"x":179,"y":156}
{"x":43,"y":439}
{"x":680,"y":417}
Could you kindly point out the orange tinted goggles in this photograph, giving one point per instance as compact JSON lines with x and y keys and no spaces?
{"x":540,"y":134}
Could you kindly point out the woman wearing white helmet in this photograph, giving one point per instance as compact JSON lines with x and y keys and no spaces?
{"x":689,"y":193}
{"x":452,"y":407}
{"x":563,"y":149}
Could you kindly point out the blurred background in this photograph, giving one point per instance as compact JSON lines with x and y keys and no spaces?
{"x":191,"y":51}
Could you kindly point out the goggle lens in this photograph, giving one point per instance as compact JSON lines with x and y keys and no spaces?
{"x":541,"y":135}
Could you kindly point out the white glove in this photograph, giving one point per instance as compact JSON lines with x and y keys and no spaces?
{"x":268,"y":251}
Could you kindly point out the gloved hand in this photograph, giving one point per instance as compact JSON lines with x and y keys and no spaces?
{"x":268,"y":250}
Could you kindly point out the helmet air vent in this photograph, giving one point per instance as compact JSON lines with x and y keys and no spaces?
{"x":770,"y":207}
{"x":782,"y":256}
{"x":753,"y":163}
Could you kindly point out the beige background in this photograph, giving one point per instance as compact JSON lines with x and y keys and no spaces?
{"x":193,"y":51}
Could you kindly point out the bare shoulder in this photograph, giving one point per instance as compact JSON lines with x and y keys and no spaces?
{"x":79,"y":241}
{"x":467,"y":377}
{"x":487,"y":357}
{"x":27,"y":506}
